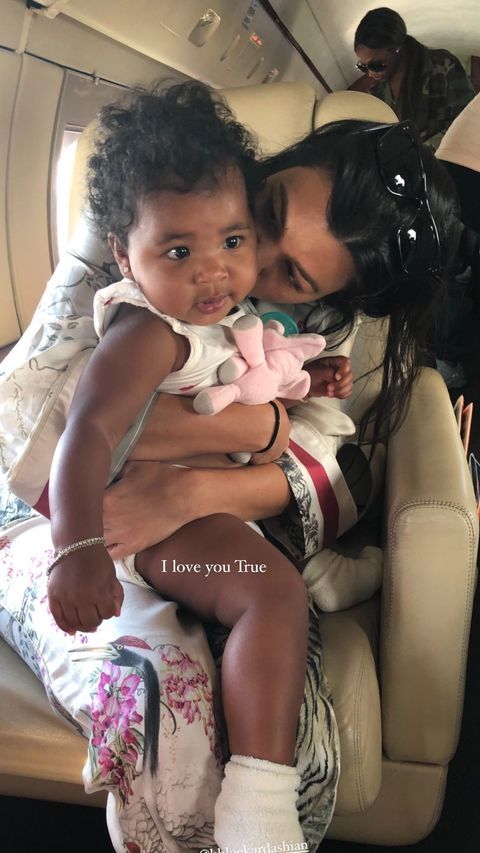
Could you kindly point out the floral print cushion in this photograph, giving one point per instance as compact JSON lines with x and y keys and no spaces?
{"x":38,"y":377}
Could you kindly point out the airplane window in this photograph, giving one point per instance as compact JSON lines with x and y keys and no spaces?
{"x":80,"y":101}
{"x":63,"y":185}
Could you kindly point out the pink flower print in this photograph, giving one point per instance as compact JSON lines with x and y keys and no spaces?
{"x":6,"y":558}
{"x":114,"y":738}
{"x":186,"y":688}
{"x":114,"y":706}
{"x":118,"y":770}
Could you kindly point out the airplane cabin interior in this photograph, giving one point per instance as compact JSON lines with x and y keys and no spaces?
{"x":403,"y":667}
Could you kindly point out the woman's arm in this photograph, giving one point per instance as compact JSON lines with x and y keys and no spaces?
{"x":152,"y":500}
{"x":174,"y":431}
{"x":452,"y":90}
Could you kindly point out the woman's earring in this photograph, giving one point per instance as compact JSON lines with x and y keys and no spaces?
{"x":126,"y":269}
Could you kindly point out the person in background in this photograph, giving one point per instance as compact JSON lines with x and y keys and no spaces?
{"x":460,"y":153}
{"x":428,"y":86}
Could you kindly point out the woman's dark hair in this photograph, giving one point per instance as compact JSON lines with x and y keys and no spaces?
{"x":366,"y":218}
{"x":384,"y":29}
{"x":179,"y":138}
{"x":381,"y":28}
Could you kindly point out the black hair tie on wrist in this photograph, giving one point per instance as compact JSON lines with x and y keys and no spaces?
{"x":276,"y":428}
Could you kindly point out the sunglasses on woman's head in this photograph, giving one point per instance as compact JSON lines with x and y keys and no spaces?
{"x":376,"y":67}
{"x":401,"y":168}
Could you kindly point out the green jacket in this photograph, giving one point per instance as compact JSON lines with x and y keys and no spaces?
{"x":443,"y":91}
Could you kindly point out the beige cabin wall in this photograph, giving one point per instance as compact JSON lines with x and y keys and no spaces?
{"x":300,"y":19}
{"x":161,"y":30}
{"x":28,"y":182}
{"x":9,"y":73}
{"x":12,"y":15}
{"x":74,"y":45}
{"x":30,"y":94}
{"x":106,"y":41}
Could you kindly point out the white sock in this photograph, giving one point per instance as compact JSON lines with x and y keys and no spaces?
{"x":336,"y":582}
{"x":257,"y":804}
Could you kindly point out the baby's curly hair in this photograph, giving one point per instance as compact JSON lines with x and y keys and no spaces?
{"x":179,"y":138}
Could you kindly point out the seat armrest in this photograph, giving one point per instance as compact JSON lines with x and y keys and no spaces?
{"x":430,"y":572}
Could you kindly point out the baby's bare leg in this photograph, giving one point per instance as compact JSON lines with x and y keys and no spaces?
{"x":264,"y":664}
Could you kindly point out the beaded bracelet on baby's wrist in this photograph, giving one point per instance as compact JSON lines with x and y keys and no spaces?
{"x":75,"y":546}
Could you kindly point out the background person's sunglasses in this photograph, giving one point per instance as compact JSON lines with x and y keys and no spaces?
{"x":401,"y":168}
{"x":376,"y":67}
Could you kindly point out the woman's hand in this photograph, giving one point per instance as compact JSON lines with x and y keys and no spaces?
{"x":331,"y":377}
{"x":151,"y":501}
{"x":147,"y":504}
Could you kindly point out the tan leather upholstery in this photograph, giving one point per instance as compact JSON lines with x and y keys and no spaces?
{"x":350,"y":667}
{"x":431,"y":535}
{"x":347,"y":104}
{"x":40,"y":755}
{"x":277,"y":121}
{"x":396,"y":664}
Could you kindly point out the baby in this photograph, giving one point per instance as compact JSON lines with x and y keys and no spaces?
{"x":167,"y":185}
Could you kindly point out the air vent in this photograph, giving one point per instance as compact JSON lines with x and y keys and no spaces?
{"x":256,"y":67}
{"x":205,"y":27}
{"x":233,"y":47}
{"x":271,"y":76}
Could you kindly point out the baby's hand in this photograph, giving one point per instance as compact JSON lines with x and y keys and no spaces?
{"x":331,"y":377}
{"x":83,"y":590}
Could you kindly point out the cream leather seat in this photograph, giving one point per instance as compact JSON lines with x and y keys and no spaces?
{"x":396,"y":664}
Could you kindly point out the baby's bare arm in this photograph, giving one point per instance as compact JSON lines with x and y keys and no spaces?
{"x":135,"y":355}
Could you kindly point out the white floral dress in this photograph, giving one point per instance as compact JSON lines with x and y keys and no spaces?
{"x":143,"y":688}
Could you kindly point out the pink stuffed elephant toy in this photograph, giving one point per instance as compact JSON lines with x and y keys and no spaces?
{"x":269,"y":365}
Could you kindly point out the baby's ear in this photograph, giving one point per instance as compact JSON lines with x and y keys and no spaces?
{"x":119,"y":253}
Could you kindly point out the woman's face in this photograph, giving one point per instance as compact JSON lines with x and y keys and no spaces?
{"x":383,"y":61}
{"x":299,"y":259}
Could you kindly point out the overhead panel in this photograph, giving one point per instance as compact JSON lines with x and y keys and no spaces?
{"x":182,"y":18}
{"x":211,"y":41}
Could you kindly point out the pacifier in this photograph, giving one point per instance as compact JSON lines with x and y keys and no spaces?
{"x":288,"y":323}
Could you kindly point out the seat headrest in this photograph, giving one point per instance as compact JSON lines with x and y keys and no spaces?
{"x":460,"y":143}
{"x":279,"y":114}
{"x":356,"y":105}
